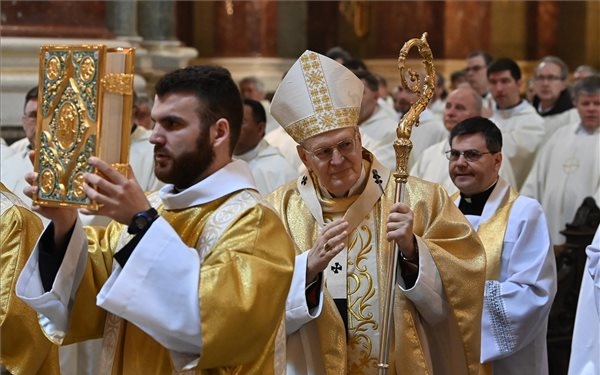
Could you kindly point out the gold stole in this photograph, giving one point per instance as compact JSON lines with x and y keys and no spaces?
{"x":491,"y":233}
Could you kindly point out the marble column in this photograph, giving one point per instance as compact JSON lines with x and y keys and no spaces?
{"x":122,"y":19}
{"x":156,"y":25}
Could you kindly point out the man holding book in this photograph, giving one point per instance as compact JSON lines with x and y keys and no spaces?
{"x":173,"y":280}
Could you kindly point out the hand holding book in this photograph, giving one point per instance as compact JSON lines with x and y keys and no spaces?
{"x":119,"y":197}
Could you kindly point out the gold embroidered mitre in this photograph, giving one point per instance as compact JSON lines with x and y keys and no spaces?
{"x":316,"y":95}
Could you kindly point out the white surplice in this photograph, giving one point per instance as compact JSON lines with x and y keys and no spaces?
{"x":522,"y":132}
{"x":553,"y":122}
{"x":432,"y":166}
{"x":585,"y":347}
{"x":566,"y":170}
{"x":269,"y":167}
{"x":286,"y":145}
{"x":516,"y":306}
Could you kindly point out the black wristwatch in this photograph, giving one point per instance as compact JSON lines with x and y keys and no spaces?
{"x":142,"y":221}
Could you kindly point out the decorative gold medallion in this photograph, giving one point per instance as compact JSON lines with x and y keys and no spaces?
{"x":87,"y":69}
{"x":53,"y":69}
{"x":67,"y":125}
{"x":78,"y":191}
{"x":47,"y":181}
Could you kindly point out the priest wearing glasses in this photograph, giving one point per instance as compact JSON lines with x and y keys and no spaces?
{"x":521,"y":270}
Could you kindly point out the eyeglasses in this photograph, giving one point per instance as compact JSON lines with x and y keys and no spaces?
{"x":474,"y":68}
{"x":470,"y":155}
{"x":326,"y":153}
{"x":547,"y":78}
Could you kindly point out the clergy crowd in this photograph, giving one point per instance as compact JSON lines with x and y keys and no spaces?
{"x":253,"y":234}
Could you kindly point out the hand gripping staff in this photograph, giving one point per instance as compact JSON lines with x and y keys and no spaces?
{"x":402,"y":147}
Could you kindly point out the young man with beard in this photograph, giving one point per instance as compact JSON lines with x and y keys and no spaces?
{"x":341,"y":214}
{"x":173,"y":280}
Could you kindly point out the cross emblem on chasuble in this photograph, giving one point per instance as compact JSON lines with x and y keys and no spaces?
{"x":336,"y":268}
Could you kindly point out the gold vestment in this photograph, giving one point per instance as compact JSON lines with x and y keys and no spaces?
{"x":460,"y":261}
{"x":24,"y":348}
{"x":243,"y":288}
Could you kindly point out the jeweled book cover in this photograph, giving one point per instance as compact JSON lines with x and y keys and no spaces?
{"x":84,"y":109}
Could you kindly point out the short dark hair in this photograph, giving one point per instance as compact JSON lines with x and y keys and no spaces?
{"x":486,"y":56}
{"x":355,"y":64}
{"x":503,"y":64}
{"x":370,"y":80}
{"x":32,"y":94}
{"x":474,"y":125}
{"x":588,"y":85}
{"x":338,"y":52}
{"x":217,"y":94}
{"x":258,"y":111}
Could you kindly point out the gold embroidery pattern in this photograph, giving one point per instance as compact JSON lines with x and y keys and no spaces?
{"x":321,"y":122}
{"x":120,"y":83}
{"x":361,"y":292}
{"x":325,"y":117}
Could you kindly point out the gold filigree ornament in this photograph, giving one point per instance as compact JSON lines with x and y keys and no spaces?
{"x":47,"y":182}
{"x":87,"y":69}
{"x":119,"y":83}
{"x":78,"y":182}
{"x":53,"y":70}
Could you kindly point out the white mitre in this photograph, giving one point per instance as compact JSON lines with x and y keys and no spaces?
{"x":317,"y":95}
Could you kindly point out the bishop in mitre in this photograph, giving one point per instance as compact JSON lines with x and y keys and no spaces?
{"x":341,"y":214}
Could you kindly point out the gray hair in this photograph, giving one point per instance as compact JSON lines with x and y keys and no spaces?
{"x":260,"y":86}
{"x":588,"y":85}
{"x":564,"y":69}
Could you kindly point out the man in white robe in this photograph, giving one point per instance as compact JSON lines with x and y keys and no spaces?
{"x":380,"y":128}
{"x":585,"y":347}
{"x":432,"y":165}
{"x":567,"y":168}
{"x":552,"y":99}
{"x":522,"y":128}
{"x":520,"y":264}
{"x":16,"y":163}
{"x":341,"y":213}
{"x":203,"y":241}
{"x":253,"y":88}
{"x":375,"y":122}
{"x":269,"y":168}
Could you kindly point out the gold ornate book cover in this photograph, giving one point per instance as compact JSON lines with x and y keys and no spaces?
{"x":84,"y":109}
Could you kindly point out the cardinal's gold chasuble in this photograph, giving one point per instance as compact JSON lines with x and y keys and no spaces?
{"x":456,"y":251}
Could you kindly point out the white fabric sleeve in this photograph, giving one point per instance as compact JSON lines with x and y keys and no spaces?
{"x":158,"y":290}
{"x":428,"y":292}
{"x":297,"y":313}
{"x":55,"y":305}
{"x":515,"y":309}
{"x":593,"y":266}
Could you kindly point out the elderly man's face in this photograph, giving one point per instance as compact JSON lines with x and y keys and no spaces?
{"x":250,"y":91}
{"x":548,"y":82}
{"x":335,"y":157}
{"x":460,"y":105}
